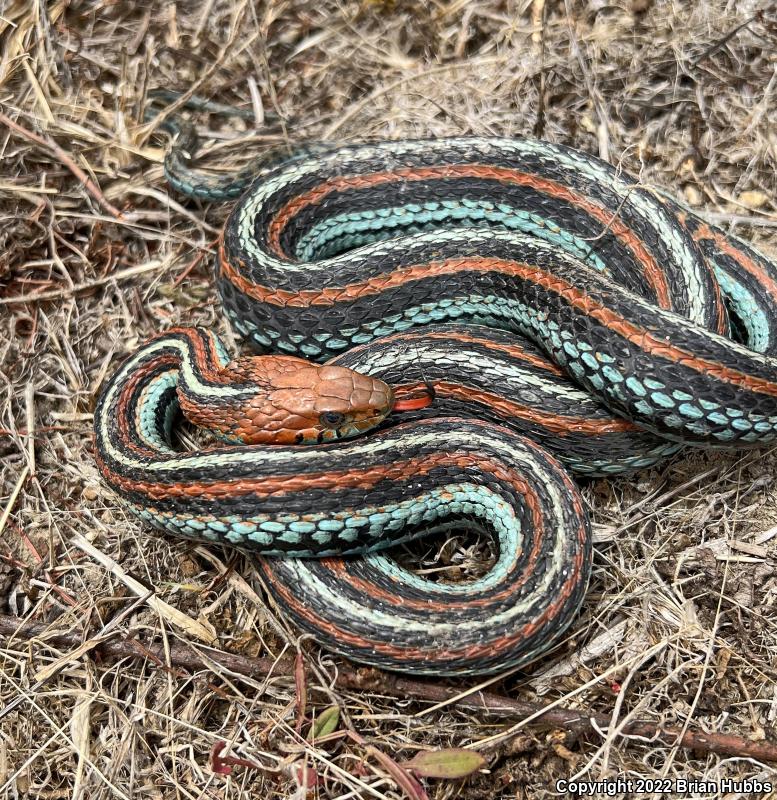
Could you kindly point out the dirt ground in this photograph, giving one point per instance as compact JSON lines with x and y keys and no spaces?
{"x":679,"y":626}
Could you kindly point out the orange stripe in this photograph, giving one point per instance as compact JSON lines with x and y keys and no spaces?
{"x":640,"y":337}
{"x":264,"y":486}
{"x":369,"y":288}
{"x":705,"y":233}
{"x":560,"y":425}
{"x":513,"y":351}
{"x":123,"y":403}
{"x":205,"y":353}
{"x":489,"y":648}
{"x":571,"y":294}
{"x":339,"y":566}
{"x":653,"y":274}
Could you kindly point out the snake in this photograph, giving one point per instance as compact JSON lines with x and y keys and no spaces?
{"x":446,"y":333}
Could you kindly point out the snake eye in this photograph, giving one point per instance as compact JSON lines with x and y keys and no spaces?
{"x":332,"y":419}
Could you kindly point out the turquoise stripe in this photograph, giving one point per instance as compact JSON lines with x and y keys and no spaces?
{"x":746,"y":308}
{"x":358,"y":228}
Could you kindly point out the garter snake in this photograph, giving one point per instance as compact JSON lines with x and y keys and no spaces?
{"x":562,"y":312}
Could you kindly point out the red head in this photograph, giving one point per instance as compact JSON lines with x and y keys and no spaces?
{"x":286,"y":400}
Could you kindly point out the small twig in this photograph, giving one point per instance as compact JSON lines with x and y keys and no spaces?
{"x":29,"y":409}
{"x":579,"y":722}
{"x":36,"y":433}
{"x":717,"y":45}
{"x":60,"y":154}
{"x":737,"y":219}
{"x":222,"y":765}
{"x":206,"y":251}
{"x":77,"y":288}
{"x":615,"y":215}
{"x":14,"y":494}
{"x":44,"y":675}
{"x":538,"y":13}
{"x":300,"y":682}
{"x":389,"y":87}
{"x":171,"y":614}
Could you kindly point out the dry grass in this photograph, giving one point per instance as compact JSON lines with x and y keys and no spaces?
{"x":685,"y":581}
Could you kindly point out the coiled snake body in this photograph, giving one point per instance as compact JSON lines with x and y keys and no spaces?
{"x":495,"y":270}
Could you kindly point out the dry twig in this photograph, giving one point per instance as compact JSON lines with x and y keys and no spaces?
{"x":579,"y":722}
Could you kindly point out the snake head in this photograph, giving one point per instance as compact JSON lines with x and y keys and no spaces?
{"x":287,"y":400}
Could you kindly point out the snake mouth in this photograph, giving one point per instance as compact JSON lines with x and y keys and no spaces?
{"x":413,"y":398}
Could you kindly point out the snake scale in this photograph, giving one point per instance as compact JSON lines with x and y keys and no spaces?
{"x":566,"y":317}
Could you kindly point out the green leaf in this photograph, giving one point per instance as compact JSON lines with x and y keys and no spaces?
{"x":325,"y":723}
{"x":452,"y":763}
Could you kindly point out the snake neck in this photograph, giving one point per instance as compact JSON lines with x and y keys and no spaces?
{"x":251,"y":400}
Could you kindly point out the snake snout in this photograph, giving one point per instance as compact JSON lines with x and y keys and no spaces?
{"x":364,"y":400}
